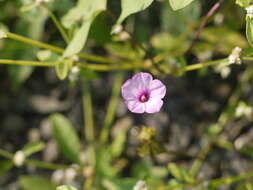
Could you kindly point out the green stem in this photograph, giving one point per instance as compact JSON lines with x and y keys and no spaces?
{"x":56,"y":49}
{"x":27,"y":63}
{"x":111,"y":107}
{"x":34,"y":42}
{"x":215,"y":183}
{"x":88,"y":112}
{"x":58,"y":25}
{"x":200,"y":159}
{"x":45,"y":165}
{"x":230,"y":180}
{"x":98,"y":67}
{"x":6,"y":154}
{"x":89,"y":125}
{"x":36,"y":163}
{"x":206,"y":64}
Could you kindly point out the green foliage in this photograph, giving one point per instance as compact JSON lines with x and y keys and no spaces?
{"x":63,"y":67}
{"x":93,"y":8}
{"x":66,"y":137}
{"x":249,"y":30}
{"x":129,"y":7}
{"x":179,"y":4}
{"x":32,"y":148}
{"x":180,"y":173}
{"x":178,"y":22}
{"x":158,"y":41}
{"x":35,"y":183}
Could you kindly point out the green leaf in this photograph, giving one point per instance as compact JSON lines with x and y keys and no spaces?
{"x":29,"y":6}
{"x":179,"y":4}
{"x":180,"y":173}
{"x":66,"y":137}
{"x":178,"y":22}
{"x":5,"y":166}
{"x":87,"y":10}
{"x":62,"y":68}
{"x":65,"y":187}
{"x":33,"y":148}
{"x":78,"y":42}
{"x":84,"y":10}
{"x":249,"y":30}
{"x":119,"y":183}
{"x":35,"y":183}
{"x":129,"y":7}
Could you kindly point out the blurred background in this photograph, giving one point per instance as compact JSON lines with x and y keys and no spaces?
{"x":189,"y":119}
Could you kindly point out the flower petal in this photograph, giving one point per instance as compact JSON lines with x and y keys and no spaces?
{"x":157,"y":89}
{"x":142,"y":80}
{"x":135,"y":106}
{"x":153,"y":105}
{"x":129,"y":90}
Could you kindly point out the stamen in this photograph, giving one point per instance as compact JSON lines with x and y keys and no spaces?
{"x":144,"y":97}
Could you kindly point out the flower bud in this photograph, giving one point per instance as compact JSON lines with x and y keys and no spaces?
{"x":19,"y":158}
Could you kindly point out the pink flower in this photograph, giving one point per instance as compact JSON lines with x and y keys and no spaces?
{"x":143,"y":94}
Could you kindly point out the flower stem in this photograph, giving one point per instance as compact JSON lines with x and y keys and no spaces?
{"x":111,"y":107}
{"x":88,"y":112}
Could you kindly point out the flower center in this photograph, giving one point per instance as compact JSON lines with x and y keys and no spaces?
{"x":144,"y":97}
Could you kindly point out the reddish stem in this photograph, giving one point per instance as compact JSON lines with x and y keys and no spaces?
{"x":214,"y":8}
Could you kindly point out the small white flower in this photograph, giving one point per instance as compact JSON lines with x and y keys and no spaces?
{"x":140,"y":185}
{"x":19,"y":158}
{"x":69,"y":175}
{"x":234,"y":57}
{"x":225,"y":71}
{"x":124,"y":36}
{"x":243,"y":110}
{"x":250,"y":11}
{"x":117,"y":29}
{"x":74,"y":73}
{"x":57,"y":176}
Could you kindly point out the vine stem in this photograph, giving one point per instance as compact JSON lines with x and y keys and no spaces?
{"x":40,"y":164}
{"x":125,"y":66}
{"x":27,"y":63}
{"x":215,"y":7}
{"x":207,"y":64}
{"x":215,"y":183}
{"x":110,"y":114}
{"x":95,"y":67}
{"x":56,"y":49}
{"x":88,"y":112}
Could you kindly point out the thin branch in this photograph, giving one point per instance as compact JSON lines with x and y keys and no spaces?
{"x":210,"y":13}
